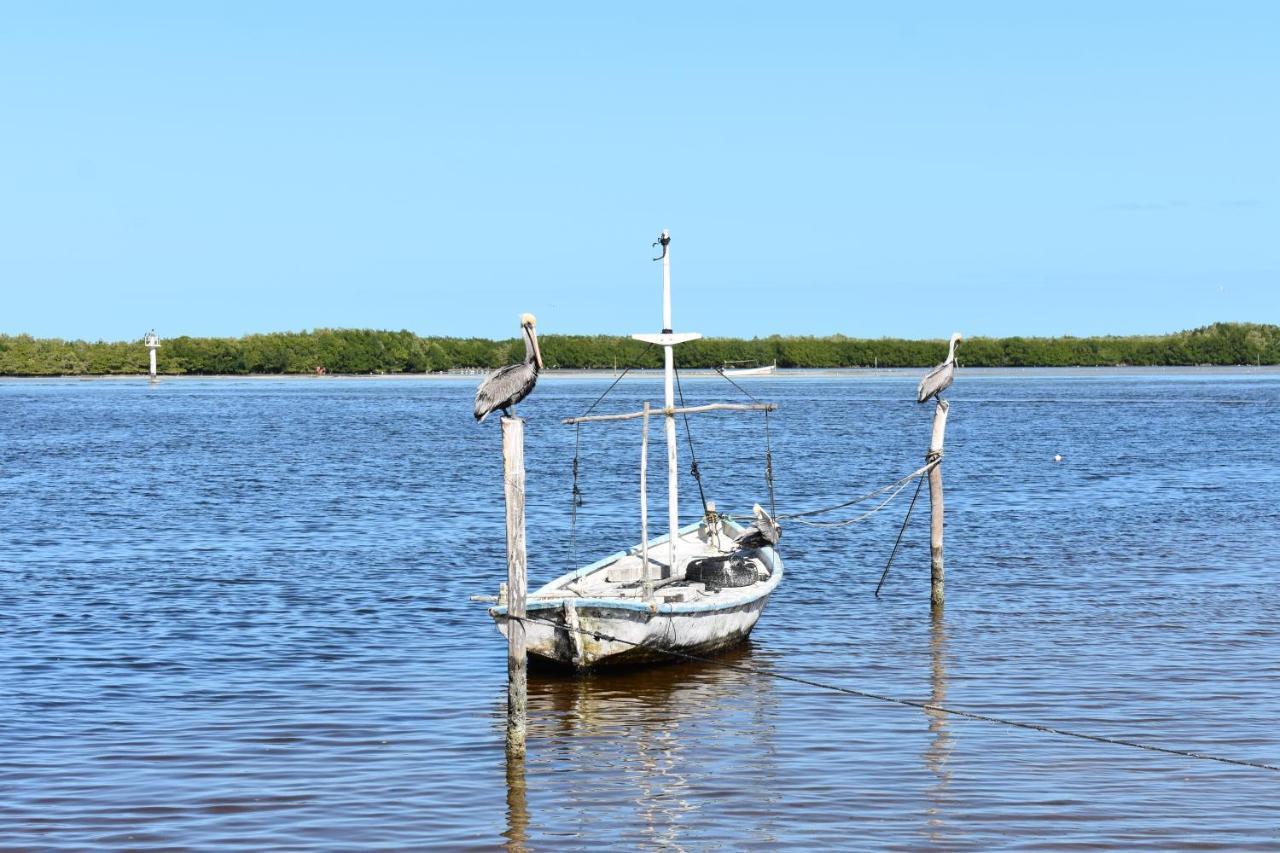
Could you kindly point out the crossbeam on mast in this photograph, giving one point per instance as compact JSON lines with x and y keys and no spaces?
{"x":681,"y":410}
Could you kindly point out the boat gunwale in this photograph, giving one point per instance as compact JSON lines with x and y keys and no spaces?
{"x":532,"y":603}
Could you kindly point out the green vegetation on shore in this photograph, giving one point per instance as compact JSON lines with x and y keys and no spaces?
{"x":367,"y":351}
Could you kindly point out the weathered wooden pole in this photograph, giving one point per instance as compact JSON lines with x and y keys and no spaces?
{"x":937,"y":572}
{"x":517,"y":664}
{"x":644,"y":504}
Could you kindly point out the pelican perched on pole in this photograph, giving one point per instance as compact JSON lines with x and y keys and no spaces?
{"x":939,"y":379}
{"x":508,"y":385}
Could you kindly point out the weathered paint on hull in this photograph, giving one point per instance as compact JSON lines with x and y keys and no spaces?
{"x":642,"y":638}
{"x":644,"y":631}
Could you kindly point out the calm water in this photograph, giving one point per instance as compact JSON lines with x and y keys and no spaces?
{"x":235,"y":613}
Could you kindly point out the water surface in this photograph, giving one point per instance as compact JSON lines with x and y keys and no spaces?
{"x":235,"y":613}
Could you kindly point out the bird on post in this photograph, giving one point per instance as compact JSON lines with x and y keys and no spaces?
{"x":508,"y":385}
{"x":939,"y":379}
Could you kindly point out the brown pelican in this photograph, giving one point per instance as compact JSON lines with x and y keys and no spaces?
{"x":508,"y":385}
{"x":939,"y":379}
{"x":764,"y":533}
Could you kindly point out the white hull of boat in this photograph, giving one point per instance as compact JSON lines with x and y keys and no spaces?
{"x":593,"y":630}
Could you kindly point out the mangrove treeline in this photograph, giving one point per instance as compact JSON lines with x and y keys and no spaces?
{"x":358,"y":351}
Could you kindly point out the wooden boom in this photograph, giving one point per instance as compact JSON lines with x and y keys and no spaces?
{"x":685,"y":410}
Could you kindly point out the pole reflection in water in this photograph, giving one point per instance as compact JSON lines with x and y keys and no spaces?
{"x":517,"y":805}
{"x":647,"y":747}
{"x":939,"y":749}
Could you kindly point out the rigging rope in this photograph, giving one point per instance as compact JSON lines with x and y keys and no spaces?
{"x":868,"y":496}
{"x":575,"y":498}
{"x":901,"y":485}
{"x":898,"y":541}
{"x":688,"y":434}
{"x":768,"y":445}
{"x":912,"y":703}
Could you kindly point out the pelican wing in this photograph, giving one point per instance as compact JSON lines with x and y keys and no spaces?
{"x":505,"y":387}
{"x":935,"y":381}
{"x":764,"y":533}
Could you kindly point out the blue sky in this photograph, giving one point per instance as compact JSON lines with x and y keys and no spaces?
{"x":869,"y":169}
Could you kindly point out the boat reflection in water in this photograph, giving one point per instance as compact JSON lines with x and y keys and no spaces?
{"x":638,"y":753}
{"x":939,"y":750}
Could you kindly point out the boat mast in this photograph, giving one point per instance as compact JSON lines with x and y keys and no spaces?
{"x":668,"y":372}
{"x":667,"y":340}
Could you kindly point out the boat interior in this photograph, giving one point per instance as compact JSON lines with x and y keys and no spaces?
{"x":710,"y":566}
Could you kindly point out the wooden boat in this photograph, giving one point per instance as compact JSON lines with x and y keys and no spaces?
{"x":762,"y":370}
{"x":600,"y":615}
{"x":633,"y":606}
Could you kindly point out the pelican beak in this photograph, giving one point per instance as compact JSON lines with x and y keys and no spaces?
{"x":533,"y":340}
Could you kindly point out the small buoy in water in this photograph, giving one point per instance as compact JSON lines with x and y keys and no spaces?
{"x":1057,"y":457}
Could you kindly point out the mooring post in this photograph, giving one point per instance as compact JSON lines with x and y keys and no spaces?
{"x":517,"y":665}
{"x":937,"y":573}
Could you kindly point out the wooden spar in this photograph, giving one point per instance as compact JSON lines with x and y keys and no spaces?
{"x":683,"y":410}
{"x":517,"y":663}
{"x":937,"y":573}
{"x":644,"y":504}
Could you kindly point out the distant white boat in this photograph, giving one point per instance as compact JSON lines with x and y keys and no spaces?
{"x":763,"y":370}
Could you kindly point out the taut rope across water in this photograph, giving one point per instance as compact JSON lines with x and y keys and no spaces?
{"x":924,"y":706}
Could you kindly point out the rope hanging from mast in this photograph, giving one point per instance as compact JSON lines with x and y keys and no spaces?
{"x":575,"y":498}
{"x":768,"y":445}
{"x":688,"y":434}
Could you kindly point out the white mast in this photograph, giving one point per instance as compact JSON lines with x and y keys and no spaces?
{"x":667,"y":340}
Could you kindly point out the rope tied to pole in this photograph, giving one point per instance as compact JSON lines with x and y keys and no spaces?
{"x":857,"y":518}
{"x":897,"y":542}
{"x":895,"y":485}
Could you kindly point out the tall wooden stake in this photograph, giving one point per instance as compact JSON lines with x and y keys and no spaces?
{"x":517,"y":665}
{"x":644,"y":505}
{"x":937,"y":573}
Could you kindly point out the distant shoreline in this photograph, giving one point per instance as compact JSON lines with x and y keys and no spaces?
{"x":360,"y":352}
{"x":782,"y":374}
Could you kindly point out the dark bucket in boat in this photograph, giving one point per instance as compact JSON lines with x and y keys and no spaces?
{"x":723,"y":572}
